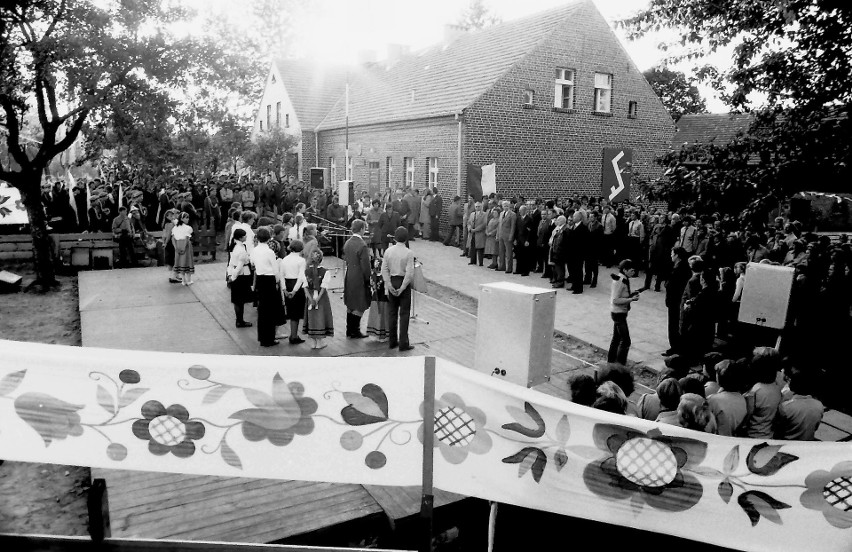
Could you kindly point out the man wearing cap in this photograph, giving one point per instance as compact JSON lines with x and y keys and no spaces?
{"x":397,"y":273}
{"x":122,"y":232}
{"x":356,"y":285}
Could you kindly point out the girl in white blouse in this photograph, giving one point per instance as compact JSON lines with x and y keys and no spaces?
{"x":293,"y":281}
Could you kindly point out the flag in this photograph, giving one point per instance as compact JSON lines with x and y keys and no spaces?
{"x":71,"y":201}
{"x":120,"y":195}
{"x":474,"y":181}
{"x":88,"y":197}
{"x":489,"y":179}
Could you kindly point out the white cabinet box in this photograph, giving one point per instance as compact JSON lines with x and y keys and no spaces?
{"x":514,"y":332}
{"x":766,"y":295}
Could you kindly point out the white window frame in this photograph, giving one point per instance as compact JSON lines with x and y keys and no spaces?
{"x":529,"y":96}
{"x":633,"y":109}
{"x":332,"y":169}
{"x":433,"y":171}
{"x":278,"y":114}
{"x":408,"y":163}
{"x":603,"y":92}
{"x":268,"y":116}
{"x":564,"y":80}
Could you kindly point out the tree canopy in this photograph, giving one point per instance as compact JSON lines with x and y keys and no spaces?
{"x":678,"y":95}
{"x":477,"y":16}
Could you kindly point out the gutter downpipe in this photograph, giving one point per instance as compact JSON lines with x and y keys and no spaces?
{"x":459,"y":155}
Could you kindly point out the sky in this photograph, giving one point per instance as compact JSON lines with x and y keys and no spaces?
{"x":347,"y":27}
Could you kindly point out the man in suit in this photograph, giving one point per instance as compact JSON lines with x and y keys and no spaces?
{"x":477,"y":224}
{"x":525,"y":240}
{"x":356,"y":285}
{"x":506,"y":230}
{"x":577,"y":241}
{"x":557,"y":252}
{"x":435,"y":209}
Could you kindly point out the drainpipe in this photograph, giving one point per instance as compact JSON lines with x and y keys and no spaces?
{"x":459,"y":156}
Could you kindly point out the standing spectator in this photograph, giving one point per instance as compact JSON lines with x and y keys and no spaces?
{"x":388,"y":224}
{"x":545,"y":230}
{"x":169,"y":246}
{"x":267,"y":276}
{"x":122,"y":232}
{"x":239,"y":276}
{"x":476,"y":229}
{"x":356,"y":286}
{"x":435,"y":209}
{"x":182,"y":242}
{"x":578,"y":237}
{"x":425,"y":218}
{"x":413,"y":216}
{"x":319,"y":323}
{"x":524,"y":241}
{"x":397,"y":273}
{"x":454,"y":220}
{"x":558,"y":252}
{"x":660,"y":245}
{"x":698,"y":324}
{"x":293,"y":282}
{"x":620,"y":300}
{"x":674,"y":294}
{"x":374,"y":225}
{"x":635,"y":240}
{"x":609,"y":223}
{"x":468,"y":209}
{"x":247,"y":198}
{"x":491,"y":237}
{"x":688,"y":236}
{"x":212,"y":214}
{"x":506,"y":232}
{"x":593,"y":250}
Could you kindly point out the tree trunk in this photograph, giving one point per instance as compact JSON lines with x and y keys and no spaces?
{"x":30,"y":188}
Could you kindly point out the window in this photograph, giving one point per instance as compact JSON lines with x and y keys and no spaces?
{"x":632,"y":110}
{"x":529,"y":96}
{"x":409,"y":172}
{"x":269,"y":116}
{"x":433,"y":171}
{"x":287,"y":120}
{"x":603,"y":92}
{"x":261,"y":124}
{"x":273,"y":78}
{"x":373,"y":165}
{"x":332,"y":169}
{"x":388,"y":171}
{"x":564,"y":93}
{"x":278,"y":114}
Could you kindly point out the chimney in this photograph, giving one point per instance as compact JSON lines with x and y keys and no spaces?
{"x":396,"y":52}
{"x":366,"y":57}
{"x":451,"y":33}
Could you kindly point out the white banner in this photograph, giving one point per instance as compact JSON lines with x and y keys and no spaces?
{"x":489,"y":179}
{"x":360,"y":420}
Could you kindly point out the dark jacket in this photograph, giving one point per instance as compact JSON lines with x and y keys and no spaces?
{"x":356,"y":287}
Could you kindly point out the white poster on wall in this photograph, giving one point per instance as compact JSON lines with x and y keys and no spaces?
{"x":489,"y":179}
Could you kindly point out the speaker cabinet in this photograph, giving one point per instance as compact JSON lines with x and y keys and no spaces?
{"x":766,"y":295}
{"x":514,"y":332}
{"x":319,"y":178}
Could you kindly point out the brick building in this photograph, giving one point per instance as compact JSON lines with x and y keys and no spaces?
{"x":540,"y":96}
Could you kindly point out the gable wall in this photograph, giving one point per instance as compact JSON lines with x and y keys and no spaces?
{"x":273,"y":93}
{"x":545,"y":153}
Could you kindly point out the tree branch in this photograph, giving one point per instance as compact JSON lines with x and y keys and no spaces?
{"x":69,"y":138}
{"x":13,"y":138}
{"x":86,"y":105}
{"x":55,"y":20}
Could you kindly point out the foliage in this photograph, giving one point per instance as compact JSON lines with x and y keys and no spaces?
{"x":791,"y":65}
{"x":268,"y":153}
{"x":477,"y":16}
{"x":679,"y":96}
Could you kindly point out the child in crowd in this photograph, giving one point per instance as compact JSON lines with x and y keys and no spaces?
{"x":765,"y":395}
{"x":694,"y":413}
{"x":669,"y":393}
{"x":728,"y":405}
{"x":318,"y":319}
{"x":611,"y":398}
{"x":169,"y":247}
{"x":184,"y":266}
{"x":799,"y":413}
{"x":583,"y":389}
{"x":377,"y":321}
{"x":711,"y":360}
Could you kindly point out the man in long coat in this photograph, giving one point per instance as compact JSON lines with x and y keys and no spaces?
{"x":356,"y":286}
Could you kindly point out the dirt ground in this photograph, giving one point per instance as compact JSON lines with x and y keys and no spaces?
{"x":42,"y":498}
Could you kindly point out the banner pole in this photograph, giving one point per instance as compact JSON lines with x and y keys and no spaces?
{"x":428,"y":500}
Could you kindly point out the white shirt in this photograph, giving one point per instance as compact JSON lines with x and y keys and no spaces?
{"x":182,"y":232}
{"x":264,"y":260}
{"x":249,"y":235}
{"x":293,"y":267}
{"x":297,"y":232}
{"x":238,"y":264}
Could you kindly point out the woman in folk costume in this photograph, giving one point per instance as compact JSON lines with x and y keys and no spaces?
{"x":377,"y":320}
{"x":239,"y":276}
{"x":318,"y":319}
{"x":182,"y":241}
{"x":292,"y":284}
{"x":374,"y":224}
{"x":169,"y":247}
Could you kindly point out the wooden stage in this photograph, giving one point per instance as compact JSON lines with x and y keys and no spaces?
{"x":139,"y":309}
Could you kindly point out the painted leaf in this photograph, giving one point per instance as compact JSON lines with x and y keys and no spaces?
{"x":563,"y":429}
{"x":229,"y":456}
{"x":215,"y":394}
{"x":732,"y":460}
{"x":373,"y":391}
{"x":586,"y":452}
{"x":131,"y":396}
{"x":281,"y":392}
{"x":258,"y":398}
{"x":105,"y":399}
{"x":726,"y":490}
{"x":531,"y":423}
{"x":364,"y":405}
{"x":368,"y":407}
{"x":765,"y":459}
{"x":706,"y":471}
{"x":11,"y":381}
{"x":526,"y":464}
{"x":50,"y":417}
{"x":269,"y":418}
{"x":560,"y":459}
{"x":757,"y":504}
{"x":519,"y":456}
{"x":199,"y":372}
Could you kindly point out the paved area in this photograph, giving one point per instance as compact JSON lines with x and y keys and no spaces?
{"x":584,"y":316}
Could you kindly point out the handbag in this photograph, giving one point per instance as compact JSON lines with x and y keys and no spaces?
{"x":418,"y":282}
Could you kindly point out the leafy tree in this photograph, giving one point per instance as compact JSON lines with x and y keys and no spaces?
{"x":791,"y":65}
{"x":477,"y":16}
{"x":72,"y":60}
{"x":231,"y":143}
{"x":270,"y":151}
{"x":678,"y":94}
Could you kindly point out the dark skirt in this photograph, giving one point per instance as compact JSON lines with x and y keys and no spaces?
{"x":241,"y":292}
{"x":169,"y":251}
{"x":318,"y":321}
{"x":295,"y":306}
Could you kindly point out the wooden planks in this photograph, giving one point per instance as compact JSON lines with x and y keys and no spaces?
{"x":401,"y":502}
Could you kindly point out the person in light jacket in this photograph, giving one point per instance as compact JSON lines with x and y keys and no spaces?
{"x":620,"y":300}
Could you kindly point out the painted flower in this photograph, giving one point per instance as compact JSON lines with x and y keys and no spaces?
{"x":278,"y":417}
{"x":52,"y":418}
{"x":459,"y":429}
{"x":645,"y":467}
{"x":831,"y":494}
{"x":168,"y":429}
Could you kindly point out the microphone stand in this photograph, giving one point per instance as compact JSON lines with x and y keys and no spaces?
{"x":414,"y":317}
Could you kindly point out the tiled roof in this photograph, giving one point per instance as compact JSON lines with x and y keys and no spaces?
{"x":719,"y":128}
{"x":442,"y":80}
{"x":313,"y":88}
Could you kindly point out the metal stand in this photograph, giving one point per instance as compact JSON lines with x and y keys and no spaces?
{"x":413,"y":317}
{"x":334,"y":271}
